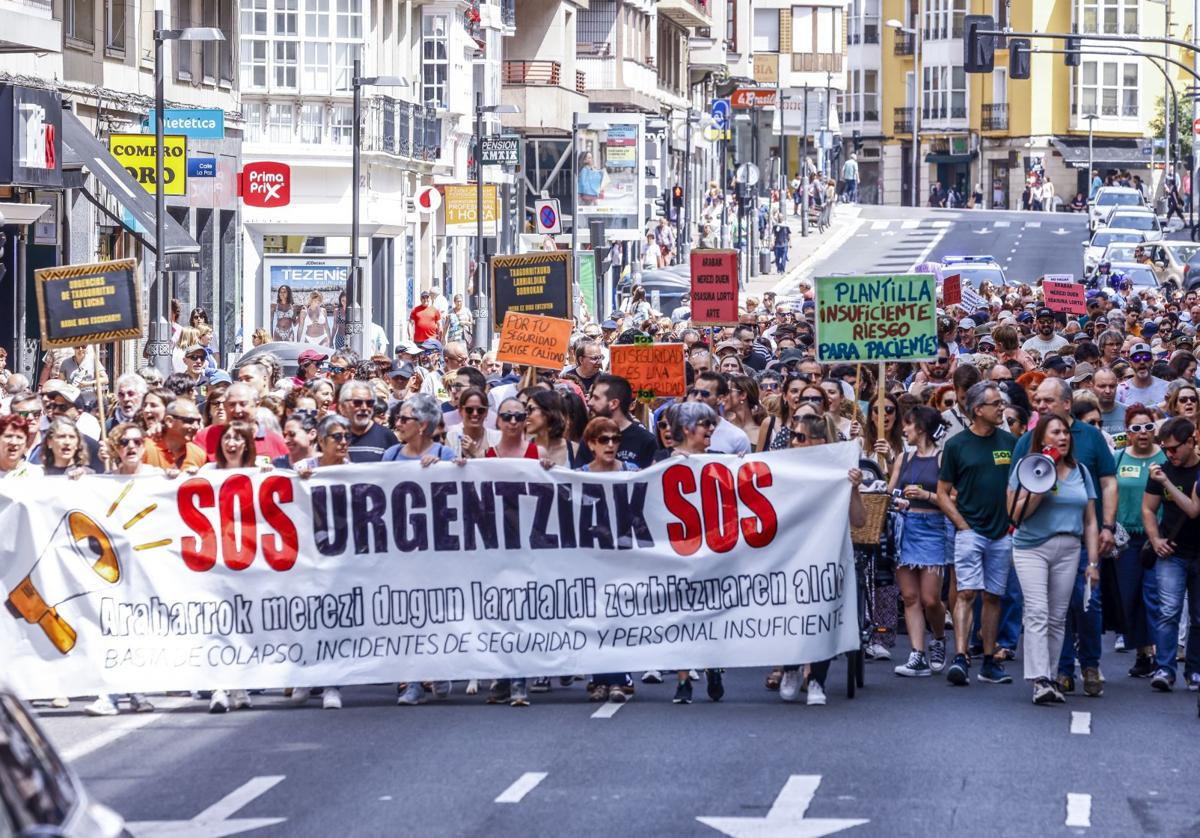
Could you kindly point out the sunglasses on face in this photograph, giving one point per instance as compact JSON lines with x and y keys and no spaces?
{"x":609,"y":439}
{"x":29,"y":414}
{"x":812,"y":399}
{"x":1186,"y":400}
{"x":513,"y":417}
{"x":1171,"y":449}
{"x":338,"y":437}
{"x":187,"y":420}
{"x":337,"y":370}
{"x":402,"y":420}
{"x":889,"y":409}
{"x":769,"y":386}
{"x":360,"y":402}
{"x":1142,"y":428}
{"x":475,"y":411}
{"x":798,"y":436}
{"x":700,"y":394}
{"x":134,"y":441}
{"x":706,"y":423}
{"x":1140,"y":358}
{"x":455,"y":385}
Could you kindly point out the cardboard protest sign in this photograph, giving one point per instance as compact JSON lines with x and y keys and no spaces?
{"x":952,"y":290}
{"x":876,"y":318}
{"x":82,"y":304}
{"x":1064,"y":296}
{"x":714,"y":287}
{"x":971,"y":301}
{"x":535,"y":341}
{"x":655,"y":369}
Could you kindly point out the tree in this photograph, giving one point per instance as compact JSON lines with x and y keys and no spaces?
{"x":1181,"y":124}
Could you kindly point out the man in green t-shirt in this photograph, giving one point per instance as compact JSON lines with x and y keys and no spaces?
{"x":975,"y":466}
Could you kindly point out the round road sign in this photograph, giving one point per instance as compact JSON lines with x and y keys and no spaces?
{"x":428,"y":200}
{"x":748,"y":174}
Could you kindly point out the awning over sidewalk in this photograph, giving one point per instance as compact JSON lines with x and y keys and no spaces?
{"x":951,"y":159}
{"x":1107,"y":152}
{"x":82,"y":150}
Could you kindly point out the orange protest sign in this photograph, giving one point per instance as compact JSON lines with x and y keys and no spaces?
{"x":534,"y":340}
{"x":652,"y":369}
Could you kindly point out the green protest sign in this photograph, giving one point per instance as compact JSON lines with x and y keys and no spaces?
{"x":876,"y":318}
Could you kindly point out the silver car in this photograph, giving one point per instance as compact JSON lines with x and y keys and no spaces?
{"x":1093,"y":250}
{"x":1107,"y":198}
{"x":1142,"y":220}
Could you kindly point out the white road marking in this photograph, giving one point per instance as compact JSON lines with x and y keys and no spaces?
{"x":215,"y":821}
{"x":1081,"y":723}
{"x":607,"y":710}
{"x":880,"y":225}
{"x":1001,"y":223}
{"x":786,"y":816}
{"x":121,"y":726}
{"x":524,"y":784}
{"x":1079,"y":810}
{"x":910,"y":225}
{"x":1029,"y":224}
{"x":940,"y":224}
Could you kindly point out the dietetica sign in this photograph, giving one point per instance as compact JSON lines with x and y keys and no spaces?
{"x":198,"y":124}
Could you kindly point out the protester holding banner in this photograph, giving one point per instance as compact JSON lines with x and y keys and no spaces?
{"x":775,"y":433}
{"x":511,"y":417}
{"x":546,"y":424}
{"x":417,"y":420}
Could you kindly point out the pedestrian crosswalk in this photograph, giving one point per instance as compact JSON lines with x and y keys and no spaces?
{"x":913,"y":243}
{"x":900,"y":224}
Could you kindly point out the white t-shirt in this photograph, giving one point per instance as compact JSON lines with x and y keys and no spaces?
{"x":728,"y":438}
{"x":1154,"y":394}
{"x":1055,"y":343}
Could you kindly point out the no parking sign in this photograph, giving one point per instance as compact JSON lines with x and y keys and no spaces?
{"x":549,"y":219}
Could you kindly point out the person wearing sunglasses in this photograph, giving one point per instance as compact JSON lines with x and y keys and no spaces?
{"x":1182,"y":400}
{"x":1136,"y":586}
{"x":712,"y":388}
{"x":470,"y":438}
{"x":417,"y":419}
{"x":1143,"y":387}
{"x":356,"y":402}
{"x":510,"y":420}
{"x":611,"y":397}
{"x":775,"y":433}
{"x":174,"y":448}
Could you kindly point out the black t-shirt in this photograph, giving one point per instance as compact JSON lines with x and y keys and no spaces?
{"x":1187,"y":539}
{"x":638,"y":446}
{"x":369,"y":447}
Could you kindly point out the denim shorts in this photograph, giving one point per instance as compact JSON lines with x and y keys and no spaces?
{"x":923,"y":541}
{"x":982,"y":563}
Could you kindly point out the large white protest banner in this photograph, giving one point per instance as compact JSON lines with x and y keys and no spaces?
{"x":393,"y":572}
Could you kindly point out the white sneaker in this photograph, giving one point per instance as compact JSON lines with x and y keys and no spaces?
{"x":937,"y":654}
{"x":816,"y":694}
{"x":877,"y":652}
{"x":62,"y":701}
{"x":102,"y":706}
{"x":219,"y":703}
{"x":472,"y":687}
{"x":789,"y":686}
{"x":241,"y":699}
{"x":331,"y":699}
{"x":300,"y":695}
{"x":651,"y":676}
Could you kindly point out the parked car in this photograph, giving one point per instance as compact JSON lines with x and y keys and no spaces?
{"x":40,"y":795}
{"x":1143,"y":220}
{"x":1093,"y":248}
{"x":975,"y":270}
{"x":666,"y":285}
{"x":1138,"y":273}
{"x":1106,"y":199}
{"x":286,"y":351}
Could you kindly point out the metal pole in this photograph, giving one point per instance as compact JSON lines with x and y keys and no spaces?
{"x":783,"y":149}
{"x":159,"y":345}
{"x":1195,"y":69}
{"x":1091,"y":118}
{"x":827,"y":164}
{"x":725,"y":185}
{"x":685,"y":246}
{"x":481,"y":338}
{"x":916,"y":120}
{"x":804,"y":166}
{"x":354,"y":312}
{"x":752,"y":238}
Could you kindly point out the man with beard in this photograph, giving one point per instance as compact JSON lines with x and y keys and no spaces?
{"x":1044,"y":339}
{"x":368,"y":440}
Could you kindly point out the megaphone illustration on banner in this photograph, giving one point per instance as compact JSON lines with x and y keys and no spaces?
{"x":80,"y":559}
{"x":1036,"y":473}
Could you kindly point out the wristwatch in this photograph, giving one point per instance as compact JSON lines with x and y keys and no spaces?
{"x":1109,"y":527}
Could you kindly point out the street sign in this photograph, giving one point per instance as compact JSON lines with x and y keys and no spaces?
{"x":549,"y":218}
{"x":501,"y":150}
{"x":428,"y":200}
{"x":748,"y":174}
{"x":745,"y":98}
{"x":81,"y":304}
{"x":719,"y":110}
{"x":202,"y":166}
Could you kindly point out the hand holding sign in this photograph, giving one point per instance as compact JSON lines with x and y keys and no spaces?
{"x":655,"y":369}
{"x":876,"y":318}
{"x":535,"y":341}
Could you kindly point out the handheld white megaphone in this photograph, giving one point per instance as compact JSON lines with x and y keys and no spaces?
{"x":1036,"y":473}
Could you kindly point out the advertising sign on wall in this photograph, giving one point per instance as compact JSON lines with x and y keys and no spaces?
{"x":460,"y":205}
{"x":136,"y":154}
{"x":305,"y":292}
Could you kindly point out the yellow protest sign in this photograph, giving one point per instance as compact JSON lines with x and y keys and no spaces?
{"x":135,"y":153}
{"x":459,"y":207}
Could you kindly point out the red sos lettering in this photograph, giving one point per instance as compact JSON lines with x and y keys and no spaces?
{"x":715,"y":520}
{"x":238,"y":512}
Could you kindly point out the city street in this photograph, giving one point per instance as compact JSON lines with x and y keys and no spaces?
{"x":904,"y":758}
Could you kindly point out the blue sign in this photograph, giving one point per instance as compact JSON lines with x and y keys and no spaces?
{"x":720,"y":114}
{"x":206,"y":124}
{"x":202,"y":167}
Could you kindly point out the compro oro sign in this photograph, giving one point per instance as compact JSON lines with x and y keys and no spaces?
{"x":96,"y":303}
{"x":135,"y":153}
{"x":460,"y":207}
{"x":266,"y":184}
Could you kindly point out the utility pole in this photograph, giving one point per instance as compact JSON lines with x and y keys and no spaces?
{"x":686,"y":244}
{"x":804,"y":166}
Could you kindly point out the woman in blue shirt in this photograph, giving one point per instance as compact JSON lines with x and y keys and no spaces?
{"x":1046,"y":550}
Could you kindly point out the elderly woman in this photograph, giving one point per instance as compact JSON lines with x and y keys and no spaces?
{"x":416,"y":422}
{"x":15,"y":432}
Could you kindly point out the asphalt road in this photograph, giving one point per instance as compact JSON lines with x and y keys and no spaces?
{"x":893,"y":239}
{"x":908,"y":757}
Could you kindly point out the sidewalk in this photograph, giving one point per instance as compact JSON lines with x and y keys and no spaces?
{"x":807,"y":251}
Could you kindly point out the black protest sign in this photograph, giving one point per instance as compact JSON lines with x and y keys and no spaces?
{"x":83,"y":304}
{"x":532,"y":283}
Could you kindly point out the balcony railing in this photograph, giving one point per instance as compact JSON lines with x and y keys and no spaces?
{"x":532,"y":73}
{"x":580,"y":81}
{"x":995,"y":117}
{"x":904,"y":43}
{"x":403,"y":128}
{"x":867,"y":33}
{"x":508,"y":12}
{"x":902,"y":121}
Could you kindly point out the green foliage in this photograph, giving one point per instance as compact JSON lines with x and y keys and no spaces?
{"x":1182,"y":124}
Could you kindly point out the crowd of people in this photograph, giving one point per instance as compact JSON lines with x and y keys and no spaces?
{"x":1110,"y":398}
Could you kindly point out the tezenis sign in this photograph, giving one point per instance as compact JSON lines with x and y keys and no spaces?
{"x":266,"y":184}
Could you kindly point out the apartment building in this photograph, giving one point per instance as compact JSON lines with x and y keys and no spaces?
{"x":87,"y":69}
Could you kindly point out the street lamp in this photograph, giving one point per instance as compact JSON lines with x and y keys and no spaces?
{"x":354,"y":312}
{"x":915,"y":31}
{"x":481,"y":337}
{"x":158,"y":347}
{"x":1091,"y":121}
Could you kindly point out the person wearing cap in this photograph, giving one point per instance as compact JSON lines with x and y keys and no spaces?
{"x":399,"y":377}
{"x":1044,"y":338}
{"x":425,"y":320}
{"x":194,"y":359}
{"x":683,"y":311}
{"x":1143,"y":388}
{"x":1055,"y":366}
{"x":1083,"y":374}
{"x":62,"y":399}
{"x":966,"y":336}
{"x":308,"y":366}
{"x":406,"y":350}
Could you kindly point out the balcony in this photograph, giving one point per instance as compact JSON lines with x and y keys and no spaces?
{"x":402,"y":128}
{"x":866,"y":33}
{"x":995,"y":117}
{"x":626,"y":84}
{"x":508,"y":12}
{"x":29,"y":26}
{"x":904,"y":43}
{"x":687,"y":13}
{"x":902,"y":122}
{"x":531,"y":73}
{"x":545,"y":94}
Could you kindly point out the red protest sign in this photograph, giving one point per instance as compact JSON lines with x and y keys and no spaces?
{"x":1064,"y":296}
{"x":952,"y":290}
{"x":656,"y":368}
{"x":714,"y":287}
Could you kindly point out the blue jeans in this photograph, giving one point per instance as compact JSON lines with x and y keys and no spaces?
{"x":851,"y":191}
{"x":1086,"y":627}
{"x":1175,"y":577}
{"x":781,"y":259}
{"x":1139,"y":595}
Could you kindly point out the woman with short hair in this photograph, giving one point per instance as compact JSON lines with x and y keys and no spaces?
{"x":417,"y":420}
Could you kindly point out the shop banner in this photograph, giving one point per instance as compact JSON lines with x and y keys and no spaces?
{"x":136,"y":153}
{"x":876,"y":318}
{"x":385,"y":572}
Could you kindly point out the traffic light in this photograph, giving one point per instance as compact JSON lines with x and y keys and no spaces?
{"x":1019,"y":58}
{"x":662,"y":206}
{"x":1074,"y":45}
{"x":979,"y":51}
{"x":677,"y":196}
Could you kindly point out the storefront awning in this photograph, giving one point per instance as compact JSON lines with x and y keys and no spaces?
{"x":950,"y":159}
{"x":1106,"y":153}
{"x":81,"y":150}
